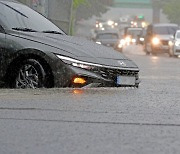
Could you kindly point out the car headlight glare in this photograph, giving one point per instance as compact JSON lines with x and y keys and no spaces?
{"x":155,"y":41}
{"x":128,"y":39}
{"x":98,"y":42}
{"x":133,"y":40}
{"x":78,"y":63}
{"x":142,"y":39}
{"x":170,"y":43}
{"x":122,"y":41}
{"x":82,"y":66}
{"x":110,"y":22}
{"x":100,"y":25}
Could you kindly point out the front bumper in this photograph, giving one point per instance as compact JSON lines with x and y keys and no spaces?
{"x":106,"y":77}
{"x":63,"y":75}
{"x":163,"y":47}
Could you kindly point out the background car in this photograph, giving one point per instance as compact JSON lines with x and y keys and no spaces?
{"x":174,"y":44}
{"x":35,"y":53}
{"x":141,"y":37}
{"x":158,"y":37}
{"x":109,"y":38}
{"x":131,"y":34}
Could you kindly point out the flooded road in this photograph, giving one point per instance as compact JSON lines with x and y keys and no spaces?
{"x":97,"y":120}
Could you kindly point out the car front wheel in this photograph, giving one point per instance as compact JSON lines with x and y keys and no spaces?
{"x":30,"y":74}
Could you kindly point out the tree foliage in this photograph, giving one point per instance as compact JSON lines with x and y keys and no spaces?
{"x":172,"y":10}
{"x":93,"y":7}
{"x":84,"y":9}
{"x":77,"y":3}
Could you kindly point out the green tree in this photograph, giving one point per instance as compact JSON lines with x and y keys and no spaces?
{"x":84,"y":9}
{"x":172,"y":9}
{"x":94,"y":7}
{"x":75,"y":6}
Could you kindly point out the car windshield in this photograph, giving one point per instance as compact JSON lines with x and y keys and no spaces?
{"x":134,"y":32}
{"x":107,"y":36}
{"x":165,"y":30}
{"x":20,"y":17}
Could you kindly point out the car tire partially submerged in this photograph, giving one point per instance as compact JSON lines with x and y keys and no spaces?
{"x":30,"y":74}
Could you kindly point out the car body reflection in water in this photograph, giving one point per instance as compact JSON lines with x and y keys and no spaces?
{"x":78,"y":91}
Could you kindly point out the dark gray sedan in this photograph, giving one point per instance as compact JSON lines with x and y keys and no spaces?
{"x":35,"y":53}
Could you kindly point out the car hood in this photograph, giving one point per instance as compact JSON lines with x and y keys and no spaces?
{"x":106,"y":41}
{"x":81,"y":48}
{"x":164,"y":37}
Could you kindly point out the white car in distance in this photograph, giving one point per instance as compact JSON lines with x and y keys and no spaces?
{"x":174,"y":43}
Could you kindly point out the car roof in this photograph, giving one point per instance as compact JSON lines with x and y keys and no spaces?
{"x":107,"y":32}
{"x":135,"y":28}
{"x":164,"y":24}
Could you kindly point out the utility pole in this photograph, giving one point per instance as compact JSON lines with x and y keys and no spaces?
{"x":156,"y":11}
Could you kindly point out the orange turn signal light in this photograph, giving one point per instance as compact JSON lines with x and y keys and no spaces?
{"x":79,"y":80}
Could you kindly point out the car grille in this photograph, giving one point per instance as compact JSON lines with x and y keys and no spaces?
{"x":113,"y":73}
{"x":165,"y":42}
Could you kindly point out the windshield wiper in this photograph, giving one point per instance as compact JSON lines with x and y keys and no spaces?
{"x":24,"y":29}
{"x":52,"y":32}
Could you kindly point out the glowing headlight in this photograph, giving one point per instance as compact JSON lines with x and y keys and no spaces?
{"x":133,"y":40}
{"x":100,"y":25}
{"x":110,"y":22}
{"x":155,"y":41}
{"x":142,"y":39}
{"x":135,"y":23}
{"x":121,"y":43}
{"x":128,"y":39}
{"x":170,"y":43}
{"x":78,"y":63}
{"x":143,"y":24}
{"x":177,"y":43}
{"x":98,"y":42}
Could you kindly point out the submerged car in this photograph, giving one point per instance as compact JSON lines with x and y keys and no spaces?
{"x":158,"y":37}
{"x":174,"y":44}
{"x":35,"y":53}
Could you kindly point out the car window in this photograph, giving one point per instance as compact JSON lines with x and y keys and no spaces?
{"x":134,"y":32}
{"x":15,"y":15}
{"x":165,"y":30}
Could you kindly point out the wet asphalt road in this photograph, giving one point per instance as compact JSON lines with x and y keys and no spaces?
{"x":97,"y":121}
